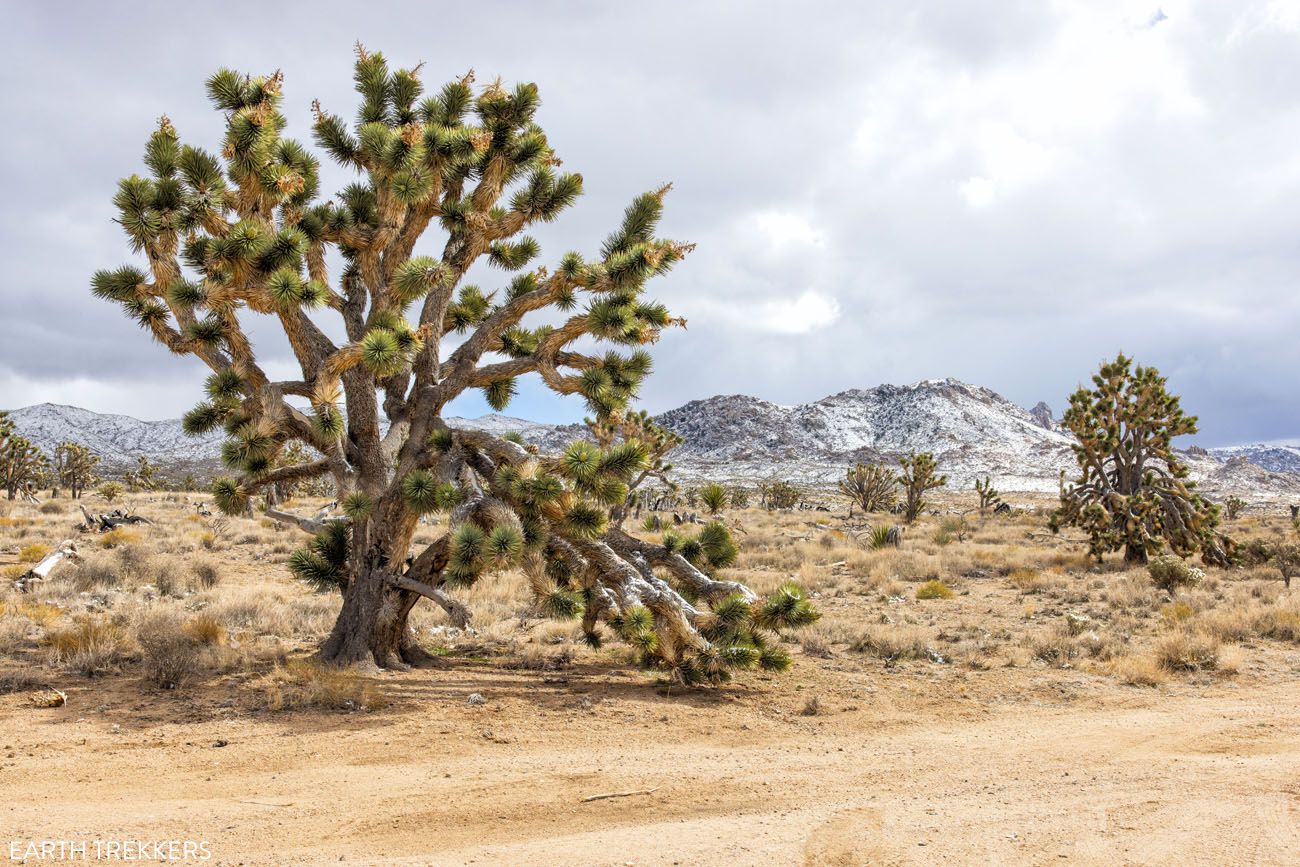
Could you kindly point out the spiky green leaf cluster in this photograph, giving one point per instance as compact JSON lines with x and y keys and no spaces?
{"x":322,"y":562}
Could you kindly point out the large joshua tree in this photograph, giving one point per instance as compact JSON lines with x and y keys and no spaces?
{"x":245,"y":235}
{"x":1133,"y":491}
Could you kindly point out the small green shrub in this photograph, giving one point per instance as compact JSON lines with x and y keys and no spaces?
{"x":934,"y":590}
{"x":1170,"y":573}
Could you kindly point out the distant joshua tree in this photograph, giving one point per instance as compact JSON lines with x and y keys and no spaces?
{"x":917,"y":477}
{"x":989,"y":497}
{"x":779,"y":495}
{"x":1133,"y":491}
{"x":248,"y":231}
{"x":22,"y":463}
{"x":74,"y":467}
{"x":871,"y":487}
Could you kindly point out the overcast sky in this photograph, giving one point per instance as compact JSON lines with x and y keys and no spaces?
{"x":1001,"y":192}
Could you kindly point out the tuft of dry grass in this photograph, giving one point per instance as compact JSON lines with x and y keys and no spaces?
{"x":91,"y":645}
{"x":301,"y":684}
{"x":1138,"y":671}
{"x":892,"y":643}
{"x":33,"y":553}
{"x":1187,"y":650}
{"x":205,"y":628}
{"x":206,"y":573}
{"x":168,"y":655}
{"x":117,"y":537}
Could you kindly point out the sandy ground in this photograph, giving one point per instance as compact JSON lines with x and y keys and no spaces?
{"x":904,"y":767}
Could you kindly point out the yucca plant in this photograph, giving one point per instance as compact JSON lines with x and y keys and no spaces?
{"x":466,"y":171}
{"x":714,"y":497}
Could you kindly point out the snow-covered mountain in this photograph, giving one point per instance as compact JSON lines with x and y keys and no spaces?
{"x":973,"y":431}
{"x":118,"y":439}
{"x":970,"y":429}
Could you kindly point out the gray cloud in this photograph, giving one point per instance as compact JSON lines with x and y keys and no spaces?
{"x":1005,"y":193}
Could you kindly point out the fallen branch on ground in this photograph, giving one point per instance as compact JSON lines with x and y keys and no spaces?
{"x":608,"y":795}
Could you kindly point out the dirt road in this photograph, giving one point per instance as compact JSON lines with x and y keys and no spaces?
{"x":913,"y":770}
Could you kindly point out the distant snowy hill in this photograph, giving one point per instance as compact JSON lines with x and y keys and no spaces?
{"x":973,"y":431}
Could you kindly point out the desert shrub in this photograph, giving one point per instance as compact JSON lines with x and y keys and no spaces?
{"x":168,"y":655}
{"x":1280,"y":622}
{"x":96,"y":571}
{"x":779,"y":495}
{"x":952,"y":529}
{"x":1187,"y":650}
{"x":1170,"y":573}
{"x":892,"y":643}
{"x":91,"y":646}
{"x":205,"y":629}
{"x":302,"y":684}
{"x":1056,"y":646}
{"x":1255,"y":552}
{"x":739,"y":497}
{"x":815,"y":645}
{"x":33,"y":553}
{"x":1138,"y":671}
{"x":934,"y":589}
{"x":51,"y":507}
{"x":1028,"y":580}
{"x":110,"y":491}
{"x":206,"y":573}
{"x":135,"y":561}
{"x":118,"y":537}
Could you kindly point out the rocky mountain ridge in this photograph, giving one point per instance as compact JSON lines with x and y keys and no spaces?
{"x":972,"y":430}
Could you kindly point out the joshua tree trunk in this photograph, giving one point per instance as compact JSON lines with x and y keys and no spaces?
{"x":1135,"y":555}
{"x":372,"y":625}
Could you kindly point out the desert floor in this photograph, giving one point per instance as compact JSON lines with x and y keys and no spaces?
{"x":1049,"y":712}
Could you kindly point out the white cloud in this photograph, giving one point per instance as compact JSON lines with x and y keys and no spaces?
{"x":807,"y":312}
{"x":782,"y":230}
{"x":157,"y":400}
{"x":978,"y":192}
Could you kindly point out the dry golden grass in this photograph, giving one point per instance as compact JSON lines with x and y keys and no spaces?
{"x":1024,"y":599}
{"x":91,"y":646}
{"x":302,"y":684}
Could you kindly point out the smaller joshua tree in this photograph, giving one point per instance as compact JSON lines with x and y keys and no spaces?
{"x":21,"y":462}
{"x":144,"y":476}
{"x":917,"y":477}
{"x":779,"y":495}
{"x":74,"y":467}
{"x":1234,"y":506}
{"x":871,"y":487}
{"x":1133,"y":492}
{"x":989,"y":497}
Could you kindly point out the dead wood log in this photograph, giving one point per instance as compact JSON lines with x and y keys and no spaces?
{"x":107,"y":521}
{"x":314,"y":524}
{"x":41,"y":571}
